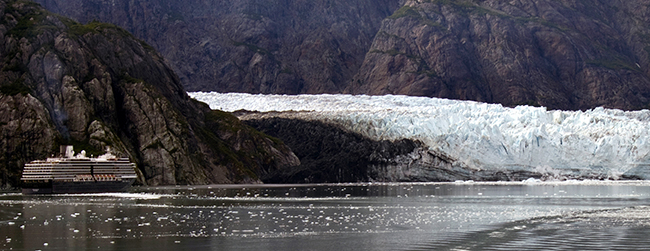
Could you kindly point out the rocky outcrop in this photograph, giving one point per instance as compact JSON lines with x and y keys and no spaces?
{"x":559,"y":54}
{"x":274,"y":46}
{"x":562,"y":54}
{"x":331,"y":154}
{"x":96,"y":86}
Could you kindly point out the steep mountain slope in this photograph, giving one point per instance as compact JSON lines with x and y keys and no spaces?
{"x":564,"y":54}
{"x":561,"y":54}
{"x":275,"y":46}
{"x":95,"y":86}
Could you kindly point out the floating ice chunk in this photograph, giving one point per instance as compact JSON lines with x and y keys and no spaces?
{"x":532,"y":180}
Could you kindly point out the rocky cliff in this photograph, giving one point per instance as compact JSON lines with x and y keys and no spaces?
{"x":94,"y":86}
{"x":331,"y":154}
{"x":562,"y":54}
{"x":274,"y":46}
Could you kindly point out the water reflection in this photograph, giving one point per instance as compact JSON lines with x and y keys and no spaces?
{"x":320,"y":217}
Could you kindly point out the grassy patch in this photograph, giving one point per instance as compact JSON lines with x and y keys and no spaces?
{"x":406,"y":11}
{"x":614,"y":64}
{"x":26,"y":26}
{"x":413,"y":12}
{"x":77,"y":29}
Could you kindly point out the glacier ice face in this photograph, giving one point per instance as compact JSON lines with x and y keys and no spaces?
{"x":601,"y":142}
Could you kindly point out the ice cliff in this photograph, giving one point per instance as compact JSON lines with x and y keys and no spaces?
{"x":478,"y":137}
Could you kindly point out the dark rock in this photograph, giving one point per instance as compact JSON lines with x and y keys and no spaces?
{"x":274,"y":46}
{"x":329,"y":154}
{"x":559,"y":54}
{"x":563,"y":54}
{"x":95,"y":86}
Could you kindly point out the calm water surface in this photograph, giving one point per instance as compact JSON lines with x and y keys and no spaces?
{"x":422,"y":216}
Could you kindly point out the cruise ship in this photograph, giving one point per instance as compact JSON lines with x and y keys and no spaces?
{"x":72,"y":173}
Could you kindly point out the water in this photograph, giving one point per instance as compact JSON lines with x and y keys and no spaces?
{"x":413,"y":216}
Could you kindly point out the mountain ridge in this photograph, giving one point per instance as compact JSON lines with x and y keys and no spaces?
{"x":96,"y":86}
{"x":566,"y":54}
{"x":559,"y":54}
{"x":273,"y":46}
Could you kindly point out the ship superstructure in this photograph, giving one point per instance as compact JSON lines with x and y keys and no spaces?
{"x":72,"y":173}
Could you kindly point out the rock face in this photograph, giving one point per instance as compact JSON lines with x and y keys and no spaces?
{"x":94,"y":86}
{"x":330,"y":154}
{"x":274,"y":46}
{"x":562,"y":54}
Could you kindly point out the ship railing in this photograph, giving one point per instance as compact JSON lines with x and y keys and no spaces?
{"x":36,"y":177}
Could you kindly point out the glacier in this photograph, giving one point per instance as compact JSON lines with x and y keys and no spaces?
{"x":598,"y":143}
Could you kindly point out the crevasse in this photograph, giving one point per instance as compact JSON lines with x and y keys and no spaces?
{"x":477,"y":135}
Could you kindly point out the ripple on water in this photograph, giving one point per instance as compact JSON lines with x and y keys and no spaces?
{"x":618,"y":229}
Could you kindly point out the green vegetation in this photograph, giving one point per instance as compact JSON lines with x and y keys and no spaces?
{"x":32,"y":21}
{"x":216,"y":121}
{"x":467,"y":7}
{"x":405,"y":11}
{"x":128,"y":79}
{"x":245,"y":159}
{"x":29,"y":25}
{"x":17,"y":87}
{"x":77,"y":29}
{"x":155,"y":145}
{"x":15,"y":65}
{"x":286,"y":70}
{"x":386,"y":34}
{"x":391,"y":52}
{"x":614,"y":64}
{"x":89,"y":77}
{"x":252,"y":16}
{"x":430,"y":73}
{"x":413,"y":12}
{"x":147,"y":47}
{"x":175,"y":15}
